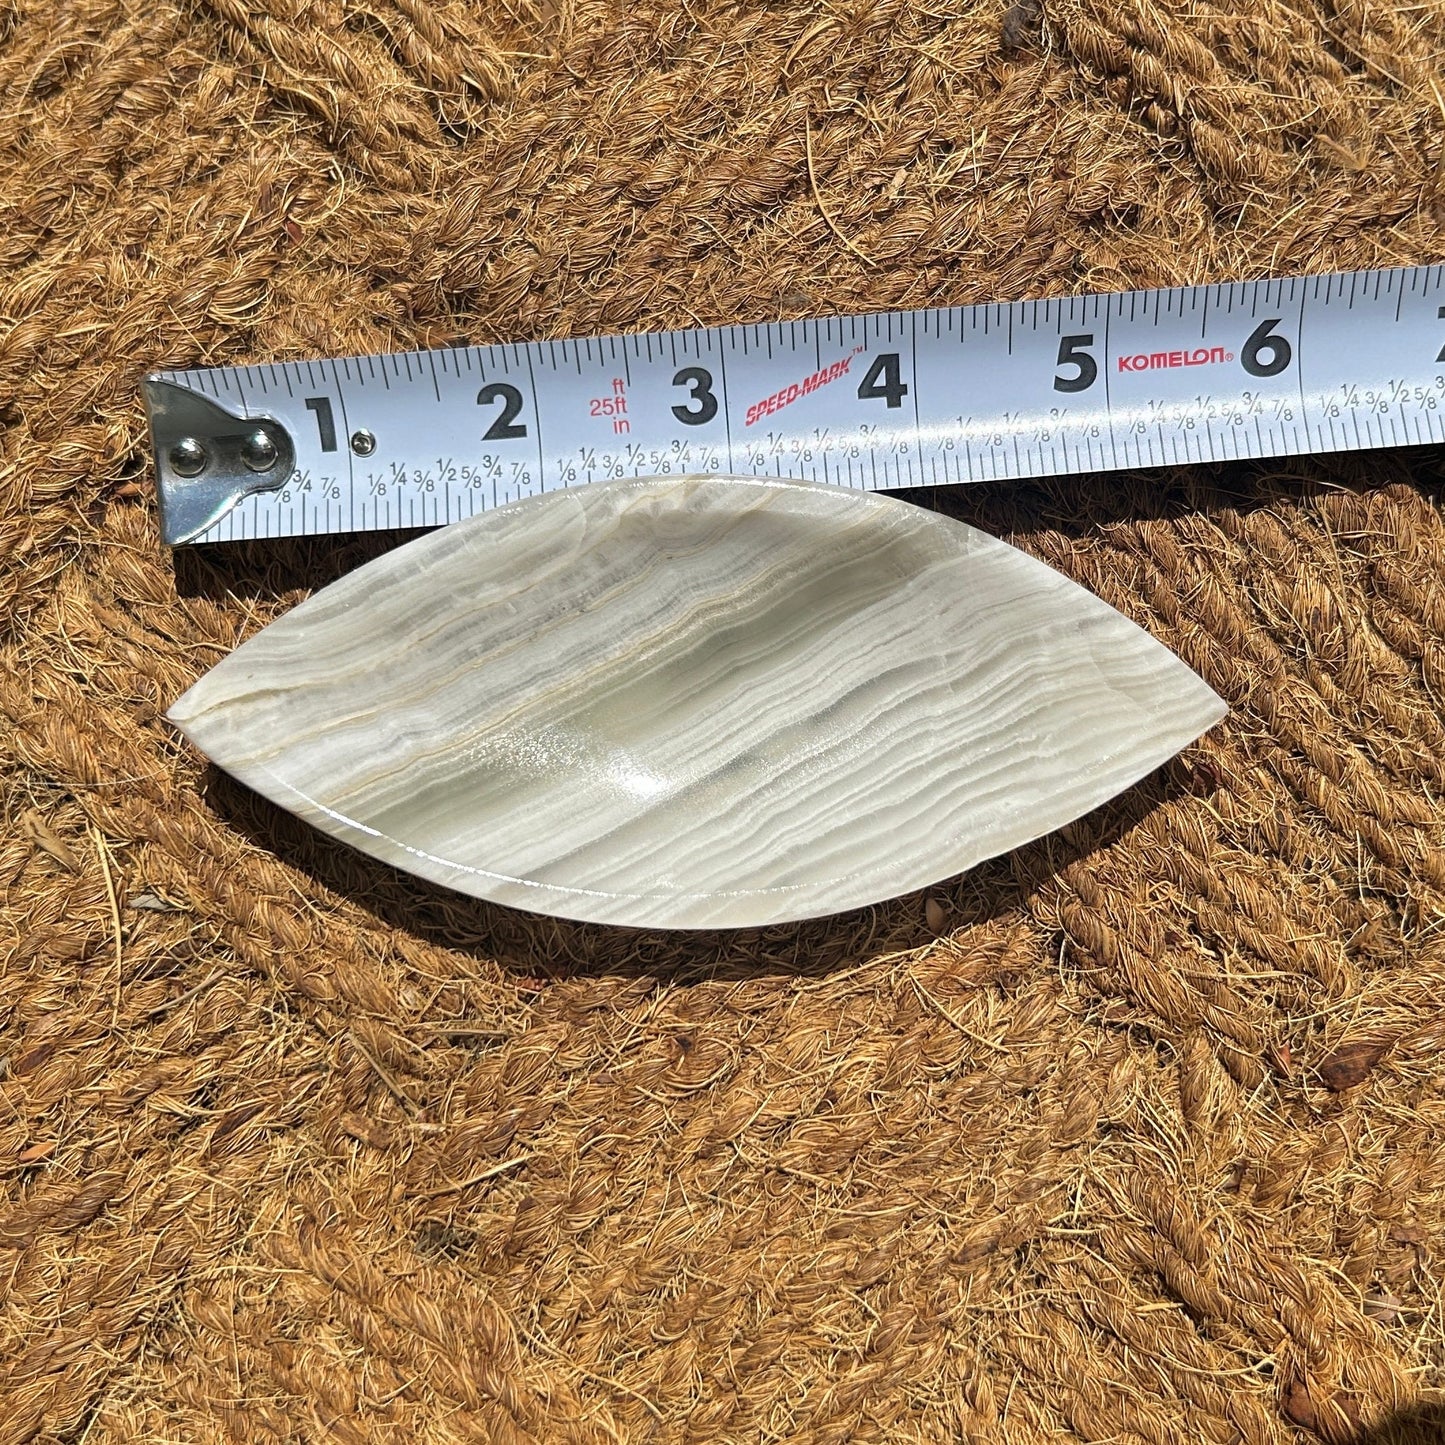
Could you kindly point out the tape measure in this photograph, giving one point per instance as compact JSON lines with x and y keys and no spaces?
{"x":898,"y":399}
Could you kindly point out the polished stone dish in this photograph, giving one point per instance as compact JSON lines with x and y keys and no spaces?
{"x":696,"y":702}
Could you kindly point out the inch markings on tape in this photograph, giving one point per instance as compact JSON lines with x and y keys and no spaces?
{"x":898,"y":399}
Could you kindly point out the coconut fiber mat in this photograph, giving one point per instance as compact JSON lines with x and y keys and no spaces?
{"x":1136,"y":1134}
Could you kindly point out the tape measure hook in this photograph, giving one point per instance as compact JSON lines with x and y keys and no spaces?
{"x":208,"y":459}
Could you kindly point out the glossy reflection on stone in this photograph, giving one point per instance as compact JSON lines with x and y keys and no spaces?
{"x":696,"y":702}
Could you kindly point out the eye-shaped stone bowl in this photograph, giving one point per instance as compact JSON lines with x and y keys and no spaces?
{"x":696,"y":702}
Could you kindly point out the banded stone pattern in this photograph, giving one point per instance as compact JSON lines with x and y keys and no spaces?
{"x":696,"y":702}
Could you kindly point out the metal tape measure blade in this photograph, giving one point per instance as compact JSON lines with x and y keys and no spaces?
{"x":936,"y":397}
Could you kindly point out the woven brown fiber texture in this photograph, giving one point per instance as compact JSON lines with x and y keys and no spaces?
{"x":1134,"y":1135}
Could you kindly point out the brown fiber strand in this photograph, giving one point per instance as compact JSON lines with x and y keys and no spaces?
{"x":1144,"y":1141}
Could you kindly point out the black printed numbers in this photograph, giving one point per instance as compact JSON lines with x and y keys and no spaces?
{"x":1072,"y":353}
{"x":320,"y":407}
{"x":505,"y":427}
{"x":1262,"y":340}
{"x":884,"y":381}
{"x":701,"y":405}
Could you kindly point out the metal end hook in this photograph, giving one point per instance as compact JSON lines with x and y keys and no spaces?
{"x":208,"y":459}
